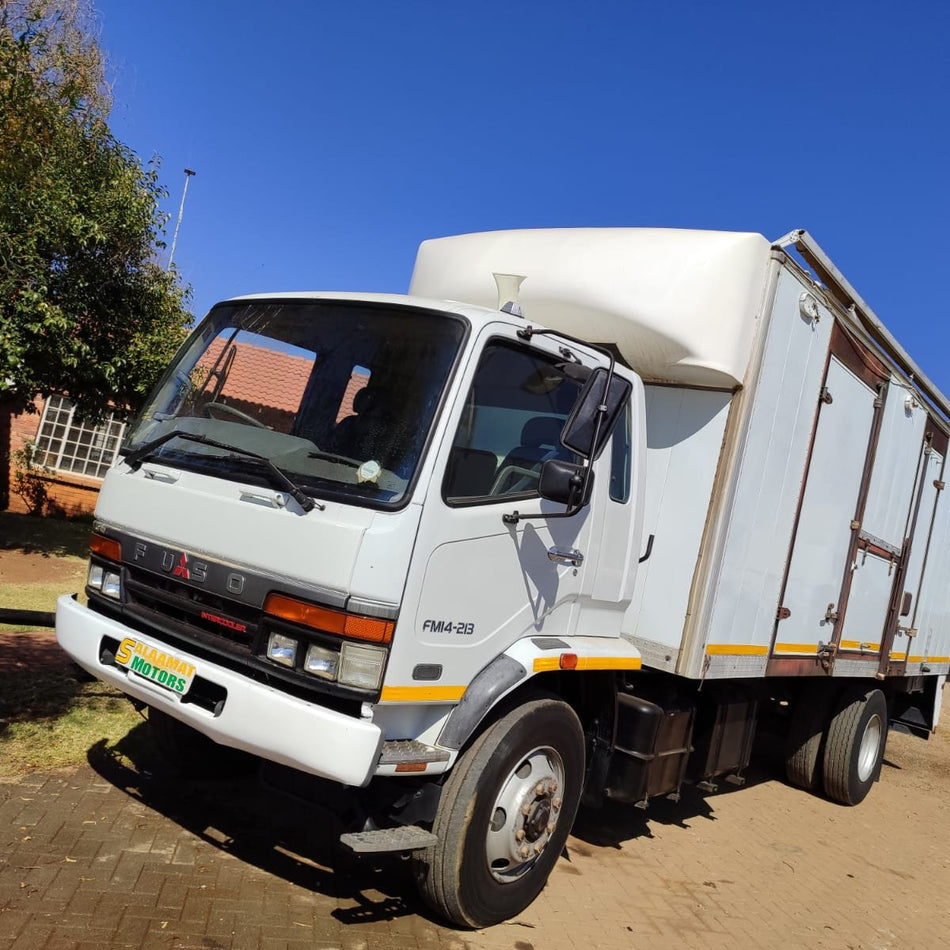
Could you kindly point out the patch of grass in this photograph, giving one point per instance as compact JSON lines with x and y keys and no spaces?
{"x":49,"y":720}
{"x":52,"y":537}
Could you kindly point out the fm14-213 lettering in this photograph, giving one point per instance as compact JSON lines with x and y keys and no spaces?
{"x":448,"y":626}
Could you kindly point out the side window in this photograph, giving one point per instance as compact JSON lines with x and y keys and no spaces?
{"x":510,"y":426}
{"x":620,"y":459}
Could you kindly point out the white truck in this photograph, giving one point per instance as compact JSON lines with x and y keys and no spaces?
{"x":477,"y":566}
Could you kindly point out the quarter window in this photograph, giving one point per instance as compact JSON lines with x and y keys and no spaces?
{"x":620,"y":459}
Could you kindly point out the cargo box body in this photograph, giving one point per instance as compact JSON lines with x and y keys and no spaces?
{"x":797,"y":521}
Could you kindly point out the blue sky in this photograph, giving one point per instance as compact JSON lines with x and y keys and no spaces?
{"x":331,"y":137}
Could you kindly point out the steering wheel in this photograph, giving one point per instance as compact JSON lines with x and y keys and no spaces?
{"x":222,"y":408}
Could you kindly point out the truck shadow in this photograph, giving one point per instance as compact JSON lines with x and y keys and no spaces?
{"x":614,"y":823}
{"x":275,"y":832}
{"x":296,"y":840}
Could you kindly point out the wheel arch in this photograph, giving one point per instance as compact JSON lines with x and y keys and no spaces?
{"x":527,"y":670}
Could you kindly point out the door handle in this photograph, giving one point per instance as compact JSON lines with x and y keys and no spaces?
{"x":565,"y":556}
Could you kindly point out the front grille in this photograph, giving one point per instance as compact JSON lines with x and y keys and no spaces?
{"x":227,"y":624}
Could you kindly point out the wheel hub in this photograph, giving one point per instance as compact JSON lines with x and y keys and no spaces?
{"x":869,"y":747}
{"x":537,"y":820}
{"x":525,"y":814}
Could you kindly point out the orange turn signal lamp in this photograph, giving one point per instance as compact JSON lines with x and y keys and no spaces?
{"x":328,"y":620}
{"x":105,"y":547}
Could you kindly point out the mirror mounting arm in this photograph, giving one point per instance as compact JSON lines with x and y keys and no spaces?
{"x":513,"y":517}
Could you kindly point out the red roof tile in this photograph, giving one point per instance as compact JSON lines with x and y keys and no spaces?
{"x":263,"y":376}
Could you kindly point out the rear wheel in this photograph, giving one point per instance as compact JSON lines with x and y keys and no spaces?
{"x":804,"y":747}
{"x":854,"y":749}
{"x":504,"y":815}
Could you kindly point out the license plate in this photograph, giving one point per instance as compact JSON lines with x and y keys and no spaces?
{"x":155,"y":664}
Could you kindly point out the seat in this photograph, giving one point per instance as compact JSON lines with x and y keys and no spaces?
{"x":520,"y":470}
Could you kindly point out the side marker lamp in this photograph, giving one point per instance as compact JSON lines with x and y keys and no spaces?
{"x":568,"y":661}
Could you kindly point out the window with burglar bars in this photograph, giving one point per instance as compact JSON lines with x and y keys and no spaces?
{"x":66,"y":444}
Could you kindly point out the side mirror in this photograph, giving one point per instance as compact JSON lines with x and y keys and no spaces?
{"x":578,"y":432}
{"x":562,"y":482}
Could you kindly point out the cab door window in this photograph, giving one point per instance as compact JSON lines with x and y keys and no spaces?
{"x":510,"y":426}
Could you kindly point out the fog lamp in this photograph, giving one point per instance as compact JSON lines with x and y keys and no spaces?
{"x":322,"y":662}
{"x":95,"y":576}
{"x":282,"y":649}
{"x":111,"y":585}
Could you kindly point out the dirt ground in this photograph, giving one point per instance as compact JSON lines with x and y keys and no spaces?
{"x":17,"y":567}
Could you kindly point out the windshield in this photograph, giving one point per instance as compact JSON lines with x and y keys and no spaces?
{"x":339,"y":395}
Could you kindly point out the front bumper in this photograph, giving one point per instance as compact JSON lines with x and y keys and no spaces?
{"x":253,"y":717}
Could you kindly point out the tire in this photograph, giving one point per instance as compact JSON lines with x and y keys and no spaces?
{"x":193,"y":755}
{"x":854,"y":748}
{"x":492,"y":859}
{"x":805,"y":742}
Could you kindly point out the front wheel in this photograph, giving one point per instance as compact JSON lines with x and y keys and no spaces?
{"x":504,"y":815}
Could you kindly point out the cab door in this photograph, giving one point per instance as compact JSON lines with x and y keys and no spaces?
{"x":478,"y":582}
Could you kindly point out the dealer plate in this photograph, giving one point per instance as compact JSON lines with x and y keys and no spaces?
{"x":155,"y":664}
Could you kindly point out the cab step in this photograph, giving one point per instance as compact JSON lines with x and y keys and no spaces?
{"x":379,"y":840}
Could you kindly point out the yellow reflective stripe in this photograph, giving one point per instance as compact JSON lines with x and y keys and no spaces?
{"x":421,"y":694}
{"x":609,"y":663}
{"x":544,"y":664}
{"x":735,"y":649}
{"x":796,"y":647}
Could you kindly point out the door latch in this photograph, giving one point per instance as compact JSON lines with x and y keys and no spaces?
{"x":565,"y":556}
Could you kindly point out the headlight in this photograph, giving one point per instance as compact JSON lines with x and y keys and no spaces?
{"x":95,"y":576}
{"x":322,"y":662}
{"x":111,"y":585}
{"x":361,"y":665}
{"x":282,"y":649}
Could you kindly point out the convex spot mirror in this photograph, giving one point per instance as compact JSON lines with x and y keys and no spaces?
{"x":578,"y":432}
{"x":563,"y":481}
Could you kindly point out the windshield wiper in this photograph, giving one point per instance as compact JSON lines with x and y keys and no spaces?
{"x":135,"y":458}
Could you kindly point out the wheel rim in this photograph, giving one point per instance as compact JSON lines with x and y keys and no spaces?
{"x":525,"y":814}
{"x":870,"y":746}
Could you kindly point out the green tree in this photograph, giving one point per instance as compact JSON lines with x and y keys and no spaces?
{"x":85,"y":309}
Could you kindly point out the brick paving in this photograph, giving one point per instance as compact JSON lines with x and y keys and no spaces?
{"x":108,"y":856}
